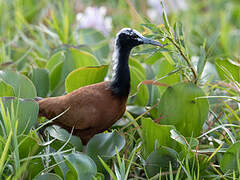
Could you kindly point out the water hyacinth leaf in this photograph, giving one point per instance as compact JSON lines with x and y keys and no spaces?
{"x":22,"y":86}
{"x":104,"y":145}
{"x":141,"y":92}
{"x":231,"y":159}
{"x":62,"y":135}
{"x":230,"y":66}
{"x":179,"y":107}
{"x":40,"y":79}
{"x":85,"y":76}
{"x":5,"y":89}
{"x":81,"y":165}
{"x":155,"y":135}
{"x":48,"y":176}
{"x":96,"y":41}
{"x":26,"y":111}
{"x":159,"y":160}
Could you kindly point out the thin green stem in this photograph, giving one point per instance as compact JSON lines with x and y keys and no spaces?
{"x":185,"y":58}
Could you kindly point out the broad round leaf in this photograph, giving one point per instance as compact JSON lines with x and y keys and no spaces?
{"x":21,"y":85}
{"x":231,"y":158}
{"x":104,"y":145}
{"x":155,"y":134}
{"x":179,"y":107}
{"x":40,"y":79}
{"x":25,"y":111}
{"x":48,"y":176}
{"x":81,"y":165}
{"x":85,"y":76}
{"x":62,"y":135}
{"x":160,"y":159}
{"x":5,"y":89}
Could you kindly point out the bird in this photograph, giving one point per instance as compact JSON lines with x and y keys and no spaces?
{"x":94,"y":108}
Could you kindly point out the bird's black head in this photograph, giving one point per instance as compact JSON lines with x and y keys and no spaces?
{"x":129,"y":38}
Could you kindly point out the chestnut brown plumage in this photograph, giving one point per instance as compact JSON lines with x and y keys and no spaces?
{"x":95,"y":108}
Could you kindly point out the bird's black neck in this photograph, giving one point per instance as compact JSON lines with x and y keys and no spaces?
{"x":120,"y":83}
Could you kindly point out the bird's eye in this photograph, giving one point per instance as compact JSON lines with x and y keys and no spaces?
{"x":134,"y":36}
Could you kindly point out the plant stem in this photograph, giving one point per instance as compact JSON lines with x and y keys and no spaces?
{"x":185,"y":58}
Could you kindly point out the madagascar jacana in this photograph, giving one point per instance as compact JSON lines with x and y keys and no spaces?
{"x":95,"y":108}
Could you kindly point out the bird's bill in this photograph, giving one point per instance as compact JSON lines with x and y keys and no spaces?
{"x":150,"y":41}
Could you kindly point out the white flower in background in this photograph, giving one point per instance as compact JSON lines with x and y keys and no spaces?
{"x":156,"y":10}
{"x":95,"y":18}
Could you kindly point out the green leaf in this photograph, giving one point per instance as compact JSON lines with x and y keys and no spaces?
{"x":96,"y":41}
{"x":83,"y":58}
{"x":48,"y":176}
{"x":28,"y":9}
{"x":104,"y":145}
{"x":21,"y":85}
{"x":62,"y":135}
{"x":5,"y":89}
{"x":165,"y":67}
{"x":202,"y":61}
{"x":55,"y":76}
{"x":153,"y":58}
{"x":40,"y":79}
{"x":35,"y":166}
{"x":85,"y":76}
{"x":28,"y":146}
{"x":185,"y":142}
{"x":4,"y":153}
{"x":65,"y":61}
{"x":179,"y":107}
{"x":232,"y":68}
{"x":165,"y":19}
{"x":142,"y":92}
{"x":61,"y":169}
{"x":55,"y":59}
{"x":155,"y":135}
{"x":159,"y":160}
{"x":135,"y":63}
{"x":231,"y":158}
{"x":81,"y":165}
{"x":25,"y":110}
